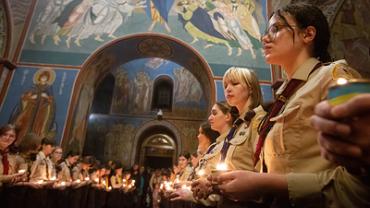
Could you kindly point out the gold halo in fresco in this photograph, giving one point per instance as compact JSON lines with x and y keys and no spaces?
{"x":154,"y":47}
{"x":46,"y":71}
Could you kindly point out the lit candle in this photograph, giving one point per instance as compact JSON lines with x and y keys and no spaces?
{"x":78,"y":181}
{"x":346,"y":89}
{"x":220,"y":168}
{"x":342,"y":81}
{"x":22,"y":171}
{"x":87,"y":178}
{"x":184,"y":186}
{"x":63,"y":183}
{"x":201,"y":173}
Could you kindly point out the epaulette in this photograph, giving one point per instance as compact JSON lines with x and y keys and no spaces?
{"x":342,"y":70}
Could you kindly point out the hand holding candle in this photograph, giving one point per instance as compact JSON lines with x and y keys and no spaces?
{"x":343,"y":125}
{"x":220,"y":168}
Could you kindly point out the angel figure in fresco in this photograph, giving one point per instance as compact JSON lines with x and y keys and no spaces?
{"x":187,"y":88}
{"x":92,"y":17}
{"x":219,"y":23}
{"x":199,"y":24}
{"x":104,"y":17}
{"x":45,"y":23}
{"x":71,"y":16}
{"x":157,"y":11}
{"x":142,"y":86}
{"x":35,"y":113}
{"x":121,"y":91}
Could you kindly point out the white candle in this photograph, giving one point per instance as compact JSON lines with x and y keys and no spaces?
{"x":201,"y":173}
{"x":342,"y":81}
{"x":22,"y":171}
{"x":221,"y":166}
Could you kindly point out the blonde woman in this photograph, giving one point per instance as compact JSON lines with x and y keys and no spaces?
{"x":236,"y":146}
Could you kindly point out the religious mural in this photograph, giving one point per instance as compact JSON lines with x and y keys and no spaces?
{"x":38,"y":103}
{"x":134,"y":84}
{"x":111,"y":138}
{"x":71,"y":29}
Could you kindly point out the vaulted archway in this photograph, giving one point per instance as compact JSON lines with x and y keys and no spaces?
{"x":119,"y":52}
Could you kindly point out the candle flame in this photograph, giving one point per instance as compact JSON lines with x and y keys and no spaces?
{"x":201,"y":172}
{"x":342,"y":81}
{"x":221,"y":166}
{"x":22,"y":171}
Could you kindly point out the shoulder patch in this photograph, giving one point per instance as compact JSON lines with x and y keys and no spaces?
{"x":342,"y":70}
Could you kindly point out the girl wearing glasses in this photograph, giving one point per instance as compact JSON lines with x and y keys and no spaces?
{"x":294,"y":173}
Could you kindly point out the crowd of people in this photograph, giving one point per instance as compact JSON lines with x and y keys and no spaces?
{"x":301,"y":151}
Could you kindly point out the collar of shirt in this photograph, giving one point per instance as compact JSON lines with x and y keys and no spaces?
{"x":41,"y":155}
{"x":222,"y":137}
{"x":302,"y":73}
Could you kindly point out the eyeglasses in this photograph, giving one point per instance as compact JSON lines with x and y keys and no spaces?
{"x":273,"y":29}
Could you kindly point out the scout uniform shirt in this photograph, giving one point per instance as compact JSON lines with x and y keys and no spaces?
{"x":239,"y":155}
{"x":41,"y":168}
{"x":13,"y":164}
{"x":65,"y":173}
{"x":291,"y":145}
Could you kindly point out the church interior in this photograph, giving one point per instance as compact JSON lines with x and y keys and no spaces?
{"x":129,"y":81}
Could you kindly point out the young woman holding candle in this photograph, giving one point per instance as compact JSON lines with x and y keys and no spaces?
{"x":295,"y":175}
{"x":236,"y":144}
{"x":206,"y":138}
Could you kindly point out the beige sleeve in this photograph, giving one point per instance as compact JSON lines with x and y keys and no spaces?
{"x":330,"y":188}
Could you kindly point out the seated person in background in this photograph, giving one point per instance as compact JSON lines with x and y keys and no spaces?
{"x":117,"y":179}
{"x":66,"y":167}
{"x":344,"y":132}
{"x":8,"y":162}
{"x":42,"y":167}
{"x":82,"y":169}
{"x":56,"y":158}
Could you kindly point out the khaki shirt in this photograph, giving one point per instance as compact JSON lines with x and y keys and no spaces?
{"x":65,"y":173}
{"x":184,"y":175}
{"x":42,"y":168}
{"x":239,"y":156}
{"x":291,"y":145}
{"x":13,"y":164}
